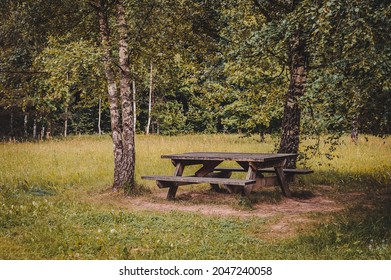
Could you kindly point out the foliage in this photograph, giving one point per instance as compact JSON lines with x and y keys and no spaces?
{"x":350,"y":60}
{"x":74,"y":79}
{"x":171,"y":119}
{"x":71,"y":67}
{"x":26,"y":27}
{"x":223,"y":63}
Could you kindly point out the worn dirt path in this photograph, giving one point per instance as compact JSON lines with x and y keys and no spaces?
{"x":286,"y":216}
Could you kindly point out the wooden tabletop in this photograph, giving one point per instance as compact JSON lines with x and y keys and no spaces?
{"x":249,"y":157}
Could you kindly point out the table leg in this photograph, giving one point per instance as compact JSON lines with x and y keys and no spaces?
{"x":179,"y":167}
{"x":282,"y":180}
{"x":207,"y":168}
{"x":251,"y":175}
{"x":221,"y":174}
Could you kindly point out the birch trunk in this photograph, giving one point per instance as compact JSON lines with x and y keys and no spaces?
{"x":150,"y":100}
{"x":99,"y":116}
{"x":48,"y":131}
{"x":66,"y":109}
{"x":66,"y":121}
{"x":112,"y":92}
{"x":134,"y":105}
{"x":12,"y":124}
{"x":290,"y":137}
{"x":128,"y":156}
{"x":35,"y":129}
{"x":42,"y":136}
{"x":25,"y":121}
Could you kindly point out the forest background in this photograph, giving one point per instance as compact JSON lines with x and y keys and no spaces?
{"x":196,"y":66}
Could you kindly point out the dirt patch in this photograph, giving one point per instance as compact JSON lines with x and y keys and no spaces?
{"x":223,"y":205}
{"x":286,"y":216}
{"x":220,"y":204}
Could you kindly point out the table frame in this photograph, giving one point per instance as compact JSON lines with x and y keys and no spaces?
{"x":252,"y":163}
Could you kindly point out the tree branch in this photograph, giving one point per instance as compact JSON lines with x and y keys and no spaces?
{"x":141,"y":29}
{"x":23,"y":72}
{"x":262,"y":10}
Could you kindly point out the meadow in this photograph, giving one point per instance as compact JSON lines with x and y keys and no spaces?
{"x":51,"y":204}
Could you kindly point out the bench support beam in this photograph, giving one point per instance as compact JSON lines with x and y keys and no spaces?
{"x":211,"y":174}
{"x":283,"y":182}
{"x":179,"y":167}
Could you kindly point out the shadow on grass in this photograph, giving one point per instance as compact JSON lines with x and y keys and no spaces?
{"x":362,"y":231}
{"x":275,"y":196}
{"x":359,"y":181}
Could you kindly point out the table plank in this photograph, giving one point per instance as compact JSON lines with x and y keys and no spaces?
{"x":219,"y":156}
{"x":200,"y":180}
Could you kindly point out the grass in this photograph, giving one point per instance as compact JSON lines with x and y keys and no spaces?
{"x":364,"y":166}
{"x":46,"y":213}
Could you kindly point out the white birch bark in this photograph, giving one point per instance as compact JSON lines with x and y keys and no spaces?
{"x":99,"y":116}
{"x":25,"y":121}
{"x":134,"y":105}
{"x":150,"y":99}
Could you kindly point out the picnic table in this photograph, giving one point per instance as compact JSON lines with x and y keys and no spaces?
{"x":255,"y":165}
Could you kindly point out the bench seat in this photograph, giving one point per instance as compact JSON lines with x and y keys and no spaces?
{"x":266,"y":170}
{"x":289,"y":171}
{"x":166,"y":181}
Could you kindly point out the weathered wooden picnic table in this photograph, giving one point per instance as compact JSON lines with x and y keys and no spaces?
{"x":255,"y":165}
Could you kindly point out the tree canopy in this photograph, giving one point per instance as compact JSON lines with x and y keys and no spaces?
{"x":218,"y":66}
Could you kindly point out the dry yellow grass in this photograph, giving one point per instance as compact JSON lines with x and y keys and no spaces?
{"x":88,"y":160}
{"x":45,"y":213}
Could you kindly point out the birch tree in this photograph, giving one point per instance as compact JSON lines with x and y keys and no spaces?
{"x":150,"y":100}
{"x":120,"y":103}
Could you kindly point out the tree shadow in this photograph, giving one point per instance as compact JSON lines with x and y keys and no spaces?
{"x":303,"y":195}
{"x":361,"y":231}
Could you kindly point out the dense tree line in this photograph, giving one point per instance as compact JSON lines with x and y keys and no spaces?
{"x":295,"y":67}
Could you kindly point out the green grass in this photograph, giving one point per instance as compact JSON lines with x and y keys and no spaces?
{"x":45,"y":212}
{"x":366,"y":165}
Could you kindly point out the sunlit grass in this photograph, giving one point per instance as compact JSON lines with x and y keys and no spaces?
{"x":88,"y":160}
{"x":366,"y":165}
{"x":75,"y":161}
{"x":44,"y":213}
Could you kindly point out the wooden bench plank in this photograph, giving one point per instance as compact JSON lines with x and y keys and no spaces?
{"x":266,"y":170}
{"x":289,"y":171}
{"x":199,"y":180}
{"x":228,"y":169}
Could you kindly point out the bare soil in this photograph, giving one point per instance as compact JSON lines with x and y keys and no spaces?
{"x":286,"y":216}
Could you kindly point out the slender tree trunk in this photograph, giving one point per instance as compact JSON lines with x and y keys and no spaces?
{"x":66,"y":109}
{"x":25,"y":121}
{"x":134,"y":105}
{"x":66,"y":121}
{"x":150,"y":100}
{"x":12,"y":124}
{"x":42,"y":136}
{"x":354,"y":134}
{"x":49,"y":131}
{"x":35,"y":129}
{"x":123,"y":133}
{"x":99,"y":116}
{"x":128,"y":157}
{"x":112,"y":91}
{"x":290,"y":137}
